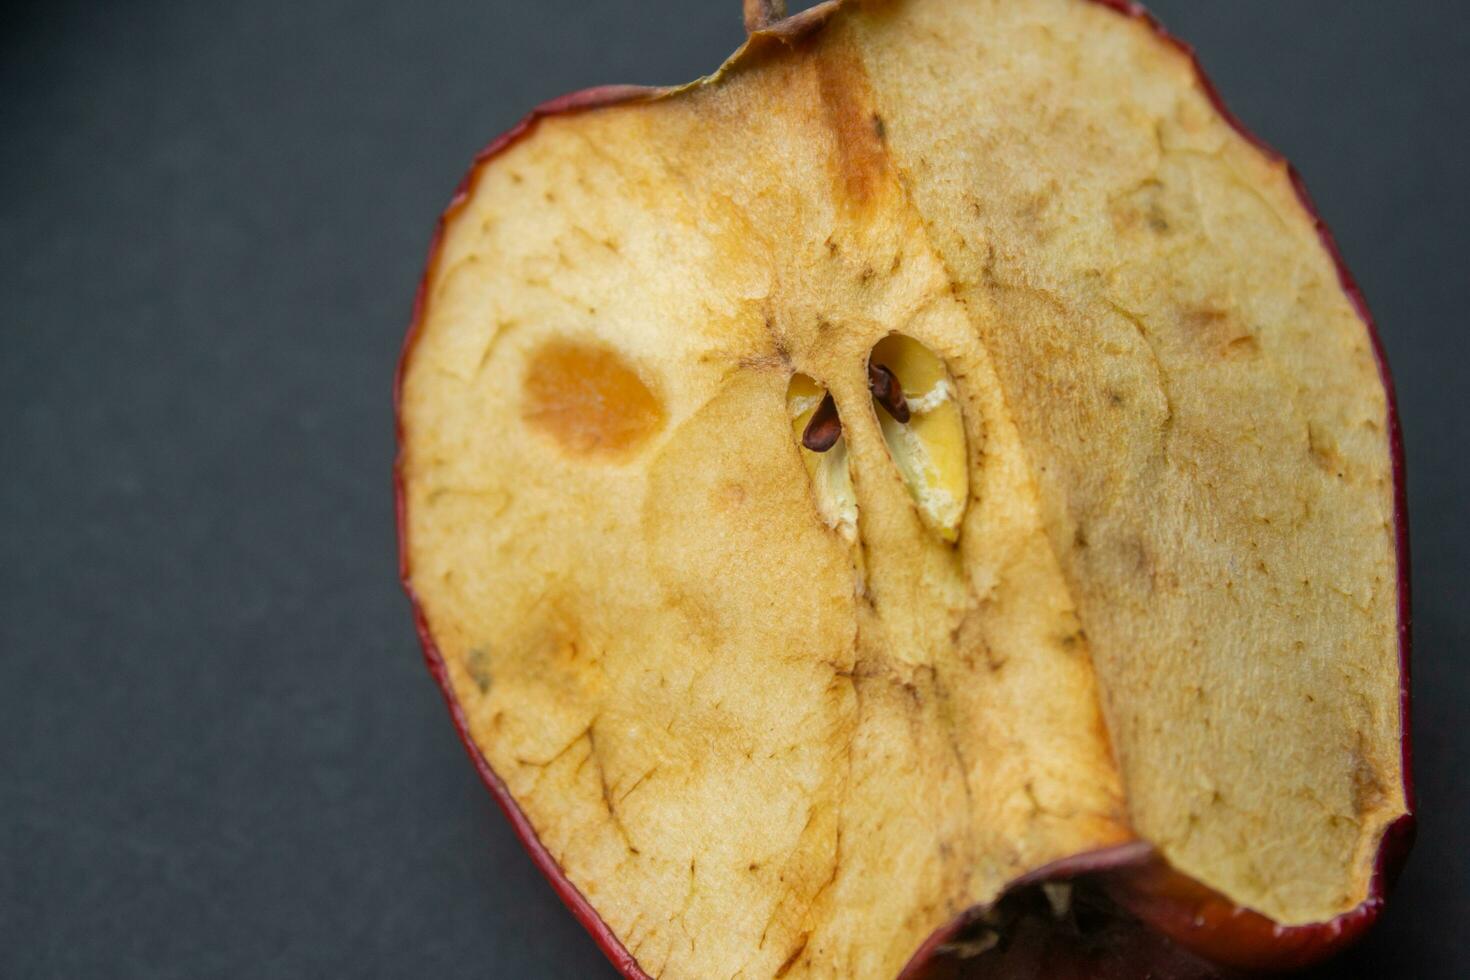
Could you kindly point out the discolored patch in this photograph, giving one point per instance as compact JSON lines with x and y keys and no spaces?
{"x":589,"y":400}
{"x":861,"y":161}
{"x":1141,"y":210}
{"x":1214,"y":329}
{"x":1368,"y":791}
{"x":1322,"y":448}
{"x":477,"y":662}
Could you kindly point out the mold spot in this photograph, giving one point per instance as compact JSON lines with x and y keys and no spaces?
{"x":477,"y":662}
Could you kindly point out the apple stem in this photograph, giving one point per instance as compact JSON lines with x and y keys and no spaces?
{"x":760,"y":14}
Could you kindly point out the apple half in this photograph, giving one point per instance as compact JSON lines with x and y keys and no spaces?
{"x":925,"y":499}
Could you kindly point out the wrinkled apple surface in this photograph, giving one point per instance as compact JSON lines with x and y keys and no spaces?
{"x":1127,"y":572}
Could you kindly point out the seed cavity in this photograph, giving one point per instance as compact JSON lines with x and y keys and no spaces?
{"x":924,"y":431}
{"x":818,"y":430}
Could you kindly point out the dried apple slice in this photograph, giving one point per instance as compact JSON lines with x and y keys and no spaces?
{"x":1138,"y":661}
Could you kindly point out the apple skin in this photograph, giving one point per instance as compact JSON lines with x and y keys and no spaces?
{"x":1196,"y":918}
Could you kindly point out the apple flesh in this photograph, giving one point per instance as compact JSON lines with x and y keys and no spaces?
{"x":1203,"y":909}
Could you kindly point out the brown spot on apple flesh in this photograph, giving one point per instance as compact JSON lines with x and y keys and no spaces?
{"x":1214,"y":329}
{"x":1322,"y":448}
{"x":861,"y":159}
{"x":1368,"y":791}
{"x":588,"y":400}
{"x":1141,"y":210}
{"x":795,"y":954}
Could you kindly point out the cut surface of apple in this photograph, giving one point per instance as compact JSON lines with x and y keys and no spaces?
{"x":937,"y":454}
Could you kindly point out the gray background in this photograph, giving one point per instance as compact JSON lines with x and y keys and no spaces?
{"x":220,"y":754}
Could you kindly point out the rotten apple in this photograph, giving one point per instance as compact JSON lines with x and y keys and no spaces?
{"x":924,"y":498}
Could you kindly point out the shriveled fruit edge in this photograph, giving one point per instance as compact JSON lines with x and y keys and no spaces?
{"x":574,"y":900}
{"x":1185,"y":910}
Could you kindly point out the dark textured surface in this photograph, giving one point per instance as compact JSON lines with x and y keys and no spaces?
{"x":220,"y":754}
